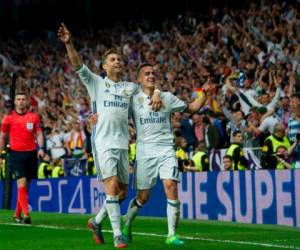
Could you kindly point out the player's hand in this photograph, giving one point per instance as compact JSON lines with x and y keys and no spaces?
{"x":156,"y":102}
{"x":93,"y":119}
{"x":64,"y":34}
{"x":186,"y":167}
{"x":41,"y":153}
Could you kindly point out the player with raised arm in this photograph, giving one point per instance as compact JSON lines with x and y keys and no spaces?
{"x":110,"y":96}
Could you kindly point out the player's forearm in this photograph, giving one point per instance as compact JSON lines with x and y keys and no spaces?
{"x":190,"y":168}
{"x":196,"y":104}
{"x":73,"y":55}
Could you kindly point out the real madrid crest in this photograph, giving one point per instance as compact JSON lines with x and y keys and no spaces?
{"x":140,"y":100}
{"x":107,"y":85}
{"x":125,"y":93}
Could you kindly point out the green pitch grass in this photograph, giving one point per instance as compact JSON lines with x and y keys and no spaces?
{"x":64,"y":231}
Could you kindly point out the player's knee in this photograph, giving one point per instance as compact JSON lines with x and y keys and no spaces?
{"x":143,"y":198}
{"x":122,"y":195}
{"x":171,"y":186}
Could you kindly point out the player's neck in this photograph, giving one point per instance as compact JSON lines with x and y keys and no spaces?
{"x":148,"y":91}
{"x":115,"y":77}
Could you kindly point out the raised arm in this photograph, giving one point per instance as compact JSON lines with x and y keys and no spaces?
{"x":196,"y":104}
{"x":65,"y":36}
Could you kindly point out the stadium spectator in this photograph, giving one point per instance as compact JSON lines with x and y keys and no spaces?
{"x":274,"y":149}
{"x":75,"y":141}
{"x":200,"y":159}
{"x":294,"y":152}
{"x":2,"y":165}
{"x":183,"y":125}
{"x":181,"y":149}
{"x":57,"y":170}
{"x":283,"y":112}
{"x":23,"y":129}
{"x":294,"y":121}
{"x":235,"y":151}
{"x":45,"y":168}
{"x":212,"y":136}
{"x":198,"y":127}
{"x":227,"y":162}
{"x":55,"y":144}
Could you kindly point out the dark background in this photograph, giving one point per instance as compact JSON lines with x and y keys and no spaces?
{"x":47,"y":14}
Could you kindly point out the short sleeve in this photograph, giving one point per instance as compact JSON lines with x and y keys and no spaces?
{"x":89,"y":79}
{"x":174,"y":104}
{"x":38,"y":127}
{"x":5,"y":124}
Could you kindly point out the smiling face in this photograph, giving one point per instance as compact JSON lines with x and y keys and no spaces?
{"x":113,"y":64}
{"x":147,"y":77}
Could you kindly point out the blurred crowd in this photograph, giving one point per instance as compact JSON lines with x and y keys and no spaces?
{"x":249,"y":57}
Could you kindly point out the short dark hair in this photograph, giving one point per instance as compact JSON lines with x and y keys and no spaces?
{"x":227,"y":157}
{"x":296,"y":95}
{"x":210,"y":113}
{"x":143,"y":65}
{"x":236,"y":132}
{"x":20,"y":93}
{"x":108,"y":52}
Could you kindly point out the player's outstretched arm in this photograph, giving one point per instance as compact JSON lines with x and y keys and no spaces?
{"x":65,"y":36}
{"x":197,"y":104}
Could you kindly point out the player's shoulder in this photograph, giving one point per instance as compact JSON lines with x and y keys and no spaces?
{"x":130,"y":84}
{"x":168,"y":96}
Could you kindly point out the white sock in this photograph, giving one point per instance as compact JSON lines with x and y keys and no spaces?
{"x":133,"y":208}
{"x":102,"y":214}
{"x":114,"y":213}
{"x":173,"y":214}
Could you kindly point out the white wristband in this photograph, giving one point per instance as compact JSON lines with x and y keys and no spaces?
{"x":156,"y":91}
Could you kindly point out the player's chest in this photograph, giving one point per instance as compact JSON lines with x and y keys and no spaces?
{"x":142,"y":107}
{"x":110,"y":90}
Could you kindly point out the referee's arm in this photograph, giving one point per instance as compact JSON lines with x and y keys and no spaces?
{"x":40,"y":141}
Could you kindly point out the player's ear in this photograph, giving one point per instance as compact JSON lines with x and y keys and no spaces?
{"x":104,"y":66}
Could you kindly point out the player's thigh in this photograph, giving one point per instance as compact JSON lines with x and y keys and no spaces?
{"x":145,"y":173}
{"x":123,"y":166}
{"x":168,"y":168}
{"x":106,"y":161}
